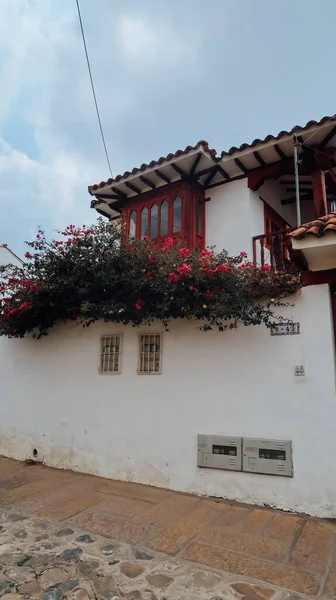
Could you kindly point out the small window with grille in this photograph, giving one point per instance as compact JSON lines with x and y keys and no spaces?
{"x":150,"y":354}
{"x":110,"y":354}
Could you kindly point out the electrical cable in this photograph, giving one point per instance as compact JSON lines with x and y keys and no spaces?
{"x":93,"y":88}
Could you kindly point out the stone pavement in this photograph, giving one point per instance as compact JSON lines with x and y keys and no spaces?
{"x":69,"y":535}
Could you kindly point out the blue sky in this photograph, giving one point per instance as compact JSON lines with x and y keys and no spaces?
{"x":167,"y":74}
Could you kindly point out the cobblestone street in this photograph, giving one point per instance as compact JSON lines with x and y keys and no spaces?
{"x":68,"y":535}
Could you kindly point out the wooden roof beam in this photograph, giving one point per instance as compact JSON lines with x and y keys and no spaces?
{"x":280,"y":152}
{"x":241,"y":166}
{"x":195,"y":164}
{"x":162,"y":176}
{"x":259,"y":159}
{"x":147,"y":182}
{"x":210,"y":177}
{"x":328,"y":138}
{"x":133,"y":187}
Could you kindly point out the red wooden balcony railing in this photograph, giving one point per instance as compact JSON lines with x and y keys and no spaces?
{"x":273,"y":249}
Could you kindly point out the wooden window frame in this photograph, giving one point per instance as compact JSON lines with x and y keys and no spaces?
{"x":189,"y":194}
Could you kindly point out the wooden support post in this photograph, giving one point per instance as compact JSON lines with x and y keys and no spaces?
{"x":320,"y":194}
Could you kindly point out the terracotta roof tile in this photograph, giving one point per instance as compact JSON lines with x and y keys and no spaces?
{"x":317,"y":228}
{"x":202,"y":143}
{"x":156,"y":163}
{"x":275,"y":138}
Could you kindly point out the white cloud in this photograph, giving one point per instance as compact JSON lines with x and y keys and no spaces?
{"x":142,"y":41}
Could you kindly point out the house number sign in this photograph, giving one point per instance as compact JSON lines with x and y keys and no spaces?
{"x":285,"y":329}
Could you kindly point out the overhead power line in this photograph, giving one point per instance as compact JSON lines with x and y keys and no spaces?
{"x":93,"y":88}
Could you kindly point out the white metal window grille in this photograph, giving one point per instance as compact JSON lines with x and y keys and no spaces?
{"x":110,"y":353}
{"x":150,"y":353}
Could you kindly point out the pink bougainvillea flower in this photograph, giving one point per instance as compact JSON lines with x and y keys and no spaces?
{"x":223,"y":269}
{"x":139,"y":304}
{"x":28,"y":255}
{"x":184,"y":252}
{"x":266,"y":267}
{"x":172,"y":277}
{"x":184,"y":269}
{"x":191,"y":288}
{"x":169,"y":243}
{"x":205,"y":254}
{"x":52,"y":304}
{"x":243,"y":253}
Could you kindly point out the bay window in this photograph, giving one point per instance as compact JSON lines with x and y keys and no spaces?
{"x":175,"y":210}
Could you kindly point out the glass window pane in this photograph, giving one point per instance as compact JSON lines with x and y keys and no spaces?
{"x":198,"y":216}
{"x":144,"y":222}
{"x":164,"y":218}
{"x":177,"y":214}
{"x":154,"y":221}
{"x":132,"y":224}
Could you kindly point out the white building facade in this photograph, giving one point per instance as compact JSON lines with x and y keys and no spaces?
{"x":255,"y":392}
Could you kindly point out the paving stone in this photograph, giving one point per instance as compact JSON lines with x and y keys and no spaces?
{"x":64,"y":510}
{"x":6,"y":586}
{"x":71,"y":555}
{"x":234,"y":517}
{"x":12,"y":597}
{"x":204,"y":579}
{"x":124,"y":507}
{"x":142,"y":554}
{"x":172,"y":539}
{"x":159,"y":580}
{"x":39,"y":563}
{"x":54,"y":575}
{"x":313,"y":546}
{"x":16,"y":517}
{"x":110,"y":526}
{"x":53,"y":593}
{"x":252,"y":592}
{"x":110,"y":550}
{"x":143,"y":595}
{"x":64,"y":532}
{"x":20,"y":574}
{"x":257,"y":546}
{"x":67,"y":586}
{"x":2,"y":530}
{"x":275,"y":574}
{"x":330,"y":587}
{"x":114,"y":561}
{"x":87,"y":568}
{"x":256,"y":521}
{"x":131,"y":570}
{"x":133,"y":490}
{"x":31,"y":588}
{"x":105,"y":587}
{"x":167,"y":511}
{"x":80,"y":594}
{"x":85,"y":539}
{"x":19,"y":534}
{"x":284,"y":527}
{"x":30,"y":501}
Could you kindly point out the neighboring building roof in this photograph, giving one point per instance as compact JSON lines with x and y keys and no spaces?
{"x":6,"y":256}
{"x":205,"y":166}
{"x":318,"y":228}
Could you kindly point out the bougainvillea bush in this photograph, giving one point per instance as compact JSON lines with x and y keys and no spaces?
{"x":88,"y":274}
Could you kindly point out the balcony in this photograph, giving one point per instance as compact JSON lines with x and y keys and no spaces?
{"x":275,"y":249}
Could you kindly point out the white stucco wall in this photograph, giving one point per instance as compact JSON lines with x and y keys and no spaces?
{"x":6,"y":257}
{"x":144,"y":428}
{"x":228,"y":217}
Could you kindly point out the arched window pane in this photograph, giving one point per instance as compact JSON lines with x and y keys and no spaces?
{"x":132,"y":224}
{"x":177,"y":214}
{"x":154,"y":221}
{"x":198,"y":216}
{"x":144,"y":222}
{"x":164,"y":218}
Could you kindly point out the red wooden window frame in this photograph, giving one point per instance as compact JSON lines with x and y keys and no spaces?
{"x":190,"y":195}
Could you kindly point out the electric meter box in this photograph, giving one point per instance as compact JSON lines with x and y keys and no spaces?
{"x":219,"y":452}
{"x":271,"y":457}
